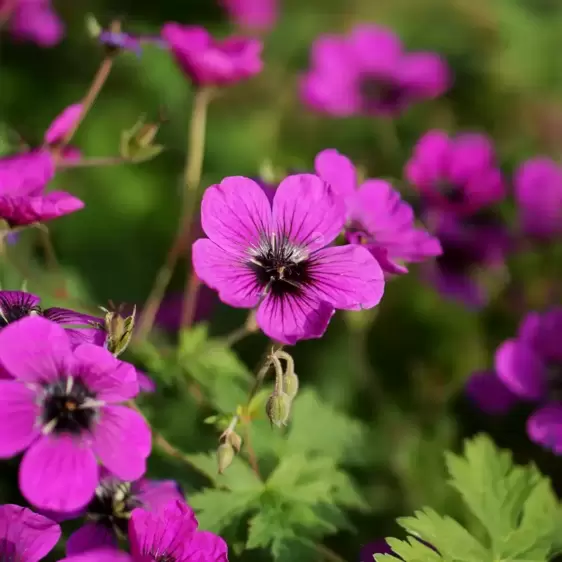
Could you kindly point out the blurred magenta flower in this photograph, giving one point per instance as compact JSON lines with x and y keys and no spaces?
{"x":23,"y":200}
{"x":26,"y":536}
{"x":368,"y":551}
{"x":530,"y":365}
{"x":369,"y":73}
{"x":538,"y":191}
{"x":260,"y":15}
{"x":168,"y":317}
{"x":489,"y":393}
{"x":457,"y":174}
{"x":60,"y":126}
{"x":377,"y":217}
{"x":33,"y":20}
{"x":62,"y":410}
{"x":280,"y":259}
{"x":107,"y":515}
{"x":209,"y":62}
{"x":473,"y":249}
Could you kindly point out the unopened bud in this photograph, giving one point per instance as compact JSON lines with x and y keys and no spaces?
{"x":290,"y":385}
{"x":93,"y":28}
{"x":278,"y":408}
{"x":235,"y":440}
{"x":137,"y":142}
{"x":119,"y":330}
{"x":225,"y":456}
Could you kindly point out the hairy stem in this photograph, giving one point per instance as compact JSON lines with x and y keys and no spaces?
{"x":192,"y":176}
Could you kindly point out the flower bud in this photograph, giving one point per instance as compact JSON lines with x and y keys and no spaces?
{"x":137,"y":142}
{"x":119,"y":330}
{"x":278,"y":408}
{"x":225,"y":456}
{"x":290,"y":385}
{"x":235,"y":440}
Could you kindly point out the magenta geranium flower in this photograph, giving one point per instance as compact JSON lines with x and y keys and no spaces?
{"x":252,"y":14}
{"x":62,"y":409}
{"x":489,"y":393}
{"x":33,"y":20}
{"x":474,"y":250}
{"x":377,"y":217}
{"x":25,"y":536}
{"x":277,"y":258}
{"x":368,"y":72}
{"x":107,"y":515}
{"x":530,"y":366}
{"x":23,"y":199}
{"x":209,"y":62}
{"x":168,"y":533}
{"x":538,"y":191}
{"x":15,"y":305}
{"x":457,"y":174}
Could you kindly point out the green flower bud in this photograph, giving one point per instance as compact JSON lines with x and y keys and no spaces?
{"x":278,"y":408}
{"x":290,"y":385}
{"x":225,"y":456}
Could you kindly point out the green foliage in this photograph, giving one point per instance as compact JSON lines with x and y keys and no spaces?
{"x":515,"y":505}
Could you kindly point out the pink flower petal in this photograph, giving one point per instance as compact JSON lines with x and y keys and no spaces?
{"x":111,"y":380}
{"x":338,"y":171}
{"x":63,"y":123}
{"x":122,"y":441}
{"x":235,"y":214}
{"x":292,"y":318}
{"x":100,"y":555}
{"x":19,"y":414}
{"x":375,"y":49}
{"x":35,"y":350}
{"x":348,"y":277}
{"x":235,"y":282}
{"x":307,"y":211}
{"x":33,"y":536}
{"x":88,"y":537}
{"x":58,"y":473}
{"x":545,"y":427}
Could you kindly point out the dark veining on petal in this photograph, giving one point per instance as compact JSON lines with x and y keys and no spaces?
{"x":68,"y":406}
{"x":12,"y":309}
{"x":8,"y":551}
{"x":281,"y":267}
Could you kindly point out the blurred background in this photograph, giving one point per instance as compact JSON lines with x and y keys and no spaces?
{"x":397,"y":379}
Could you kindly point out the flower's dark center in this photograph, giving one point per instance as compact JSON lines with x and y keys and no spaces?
{"x":8,"y":551}
{"x":457,"y":258}
{"x":112,"y":506}
{"x":554,"y":378}
{"x":376,"y":91}
{"x":451,"y":192}
{"x":15,"y":309}
{"x":281,"y":267}
{"x":68,"y":406}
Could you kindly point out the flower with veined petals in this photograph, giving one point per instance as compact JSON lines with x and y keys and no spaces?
{"x":377,"y":216}
{"x":107,"y":515}
{"x":530,"y":366}
{"x":33,"y":20}
{"x":209,"y":62}
{"x":25,"y":536}
{"x":538,"y":191}
{"x":168,"y":533}
{"x":23,"y":179}
{"x":457,"y":174}
{"x":274,"y":257}
{"x":369,"y":73}
{"x":474,"y":249}
{"x":62,"y":408}
{"x":15,"y":305}
{"x":252,"y":14}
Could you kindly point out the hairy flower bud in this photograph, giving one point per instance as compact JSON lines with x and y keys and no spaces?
{"x":290,"y":385}
{"x":119,"y":330}
{"x":137,"y":143}
{"x":278,"y":408}
{"x":225,"y":456}
{"x":235,"y":440}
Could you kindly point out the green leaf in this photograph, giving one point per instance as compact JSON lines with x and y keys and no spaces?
{"x":217,"y":509}
{"x":413,"y":550}
{"x":218,"y":370}
{"x":446,"y":535}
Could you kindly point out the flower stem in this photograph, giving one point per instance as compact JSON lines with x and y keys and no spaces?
{"x":87,"y":103}
{"x":93,"y":162}
{"x":192,"y":177}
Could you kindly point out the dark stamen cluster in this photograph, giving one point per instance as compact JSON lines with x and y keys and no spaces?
{"x":12,"y":310}
{"x":451,"y":192}
{"x":66,"y":408}
{"x":112,"y":506}
{"x":281,"y":267}
{"x":376,"y":91}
